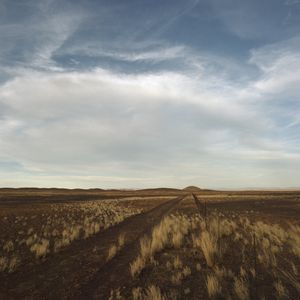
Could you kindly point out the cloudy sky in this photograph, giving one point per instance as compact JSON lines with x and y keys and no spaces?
{"x":140,"y":93}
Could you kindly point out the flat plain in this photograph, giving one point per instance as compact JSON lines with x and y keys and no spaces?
{"x":149,"y":244}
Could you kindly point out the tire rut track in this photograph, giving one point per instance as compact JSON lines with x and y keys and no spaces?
{"x":201,"y":206}
{"x":115,"y":273}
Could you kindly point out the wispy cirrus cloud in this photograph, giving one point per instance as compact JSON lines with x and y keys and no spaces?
{"x":156,"y":54}
{"x":32,"y":42}
{"x":280,"y":64}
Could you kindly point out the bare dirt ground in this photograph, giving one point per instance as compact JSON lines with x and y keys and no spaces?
{"x":101,"y":234}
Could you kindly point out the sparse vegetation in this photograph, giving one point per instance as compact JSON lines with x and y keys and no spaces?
{"x":113,"y":250}
{"x":186,"y":255}
{"x":227,"y":248}
{"x":58,"y":228}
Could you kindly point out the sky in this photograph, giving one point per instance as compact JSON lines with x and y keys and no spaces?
{"x":139,"y":93}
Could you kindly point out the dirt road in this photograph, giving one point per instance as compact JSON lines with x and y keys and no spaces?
{"x":116,"y":272}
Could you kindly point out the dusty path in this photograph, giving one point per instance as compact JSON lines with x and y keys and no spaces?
{"x":202,"y":206}
{"x":77,"y":271}
{"x":116,"y":273}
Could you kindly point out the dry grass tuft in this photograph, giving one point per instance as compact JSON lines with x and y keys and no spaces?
{"x":241,"y":288}
{"x":294,"y":239}
{"x":137,"y":266}
{"x":177,"y":263}
{"x":40,"y":248}
{"x":209,"y":247}
{"x":121,"y":240}
{"x":3,"y":264}
{"x":213,"y":285}
{"x":177,"y":278}
{"x":153,"y":293}
{"x":137,"y":293}
{"x":280,"y":291}
{"x":116,"y":295}
{"x":186,"y":271}
{"x":114,"y":249}
{"x":8,"y":246}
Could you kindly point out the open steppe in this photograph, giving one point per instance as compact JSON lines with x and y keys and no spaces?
{"x":149,"y":244}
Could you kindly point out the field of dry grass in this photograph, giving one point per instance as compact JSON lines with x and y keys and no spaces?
{"x":31,"y":233}
{"x":237,"y":253}
{"x":226,"y":257}
{"x":227,"y":246}
{"x":39,"y":234}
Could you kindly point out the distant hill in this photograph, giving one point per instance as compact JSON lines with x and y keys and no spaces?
{"x":160,"y":190}
{"x":192,"y":188}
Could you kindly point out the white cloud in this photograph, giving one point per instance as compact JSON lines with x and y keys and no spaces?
{"x":95,"y":49}
{"x":119,"y":125}
{"x":280,"y":64}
